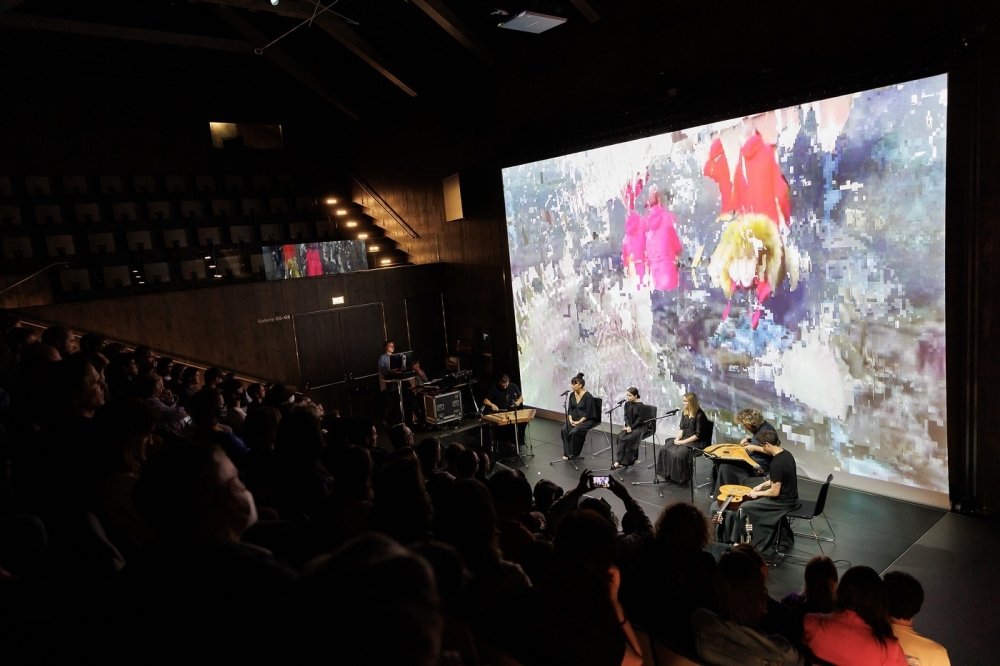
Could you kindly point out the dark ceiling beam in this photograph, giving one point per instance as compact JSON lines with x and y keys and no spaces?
{"x":282,"y":60}
{"x":586,"y":7}
{"x":450,"y":23}
{"x":330,"y":24}
{"x":124,"y":33}
{"x":9,"y":4}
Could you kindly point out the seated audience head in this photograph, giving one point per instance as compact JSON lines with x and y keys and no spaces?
{"x":682,"y":526}
{"x":861,"y":590}
{"x":92,"y":343}
{"x":261,"y":429}
{"x":125,"y":429}
{"x":466,"y":464}
{"x":191,"y":492}
{"x":740,"y":588}
{"x":511,"y":493}
{"x":904,"y":594}
{"x":545,"y":493}
{"x":821,"y":584}
{"x":165,"y":366}
{"x":400,"y":435}
{"x":256,"y":392}
{"x":300,"y":439}
{"x":207,"y":407}
{"x":395,"y":615}
{"x":79,"y":386}
{"x":213,"y":377}
{"x":232,"y":391}
{"x":60,"y":339}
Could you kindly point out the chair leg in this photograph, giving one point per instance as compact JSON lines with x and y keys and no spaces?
{"x":815,"y":535}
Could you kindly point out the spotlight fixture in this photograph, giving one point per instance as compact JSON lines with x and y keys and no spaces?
{"x":331,"y":201}
{"x":350,"y":224}
{"x":385,"y":262}
{"x":374,"y":248}
{"x":337,"y":300}
{"x":341,"y":211}
{"x":274,"y":3}
{"x":362,"y":236}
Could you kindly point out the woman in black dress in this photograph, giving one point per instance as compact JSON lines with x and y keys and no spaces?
{"x":674,"y":461}
{"x":581,"y":416}
{"x":631,"y":433}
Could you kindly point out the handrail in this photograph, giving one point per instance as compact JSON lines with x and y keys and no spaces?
{"x":360,"y":182}
{"x":35,"y":274}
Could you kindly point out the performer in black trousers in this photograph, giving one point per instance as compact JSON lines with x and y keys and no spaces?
{"x":631,"y":433}
{"x":581,"y":415}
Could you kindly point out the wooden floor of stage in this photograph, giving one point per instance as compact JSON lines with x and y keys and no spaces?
{"x":951,"y":554}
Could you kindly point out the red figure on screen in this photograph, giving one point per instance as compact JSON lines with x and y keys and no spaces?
{"x":662,"y":243}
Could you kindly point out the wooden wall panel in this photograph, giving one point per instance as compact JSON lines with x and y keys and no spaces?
{"x":246,"y":327}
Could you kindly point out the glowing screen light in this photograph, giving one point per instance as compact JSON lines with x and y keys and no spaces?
{"x":791,"y":261}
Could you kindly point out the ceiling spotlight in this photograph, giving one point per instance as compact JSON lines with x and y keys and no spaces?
{"x":385,"y":261}
{"x":274,"y":3}
{"x":331,"y":201}
{"x":373,"y":248}
{"x":362,"y":236}
{"x":341,"y":211}
{"x":350,"y":223}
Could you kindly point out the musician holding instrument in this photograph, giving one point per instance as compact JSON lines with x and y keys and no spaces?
{"x":673,"y":463}
{"x":775,"y":497}
{"x":736,"y":472}
{"x":581,"y":415}
{"x":632,"y":432}
{"x":504,"y":396}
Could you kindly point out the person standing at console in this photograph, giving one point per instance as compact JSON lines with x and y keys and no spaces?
{"x":581,"y":416}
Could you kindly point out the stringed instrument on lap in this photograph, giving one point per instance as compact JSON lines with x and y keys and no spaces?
{"x":731,"y":452}
{"x":730,"y":497}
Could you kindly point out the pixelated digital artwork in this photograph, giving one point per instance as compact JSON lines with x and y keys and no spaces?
{"x":295,"y":260}
{"x":791,"y":261}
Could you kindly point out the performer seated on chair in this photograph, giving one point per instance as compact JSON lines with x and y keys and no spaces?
{"x":505,"y":395}
{"x":735,"y":472}
{"x":581,"y":416}
{"x":673,"y":462}
{"x":771,"y":499}
{"x":631,"y":433}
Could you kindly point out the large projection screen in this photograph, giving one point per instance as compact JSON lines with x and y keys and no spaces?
{"x":791,"y":261}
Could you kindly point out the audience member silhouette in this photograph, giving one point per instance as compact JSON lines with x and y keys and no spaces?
{"x":858,"y":632}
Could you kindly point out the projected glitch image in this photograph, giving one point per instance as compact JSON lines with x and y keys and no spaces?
{"x":791,"y":261}
{"x":295,"y":260}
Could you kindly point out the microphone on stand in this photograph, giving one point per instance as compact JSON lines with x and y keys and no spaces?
{"x":563,"y":394}
{"x":620,"y":402}
{"x":671,"y":412}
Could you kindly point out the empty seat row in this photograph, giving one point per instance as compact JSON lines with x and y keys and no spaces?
{"x":45,"y":186}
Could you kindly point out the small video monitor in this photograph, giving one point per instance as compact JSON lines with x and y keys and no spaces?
{"x":397,"y":362}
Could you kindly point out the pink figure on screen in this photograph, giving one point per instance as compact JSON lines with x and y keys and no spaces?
{"x":634,"y":243}
{"x":662,"y":243}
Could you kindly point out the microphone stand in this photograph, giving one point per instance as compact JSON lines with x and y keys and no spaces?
{"x":656,"y":480}
{"x":609,"y":437}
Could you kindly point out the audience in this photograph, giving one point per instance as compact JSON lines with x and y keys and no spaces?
{"x":127,"y":535}
{"x":905,"y":596}
{"x":858,"y":632}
